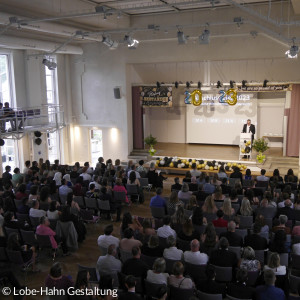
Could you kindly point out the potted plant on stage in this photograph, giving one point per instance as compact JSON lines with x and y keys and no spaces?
{"x":151,"y":141}
{"x":260,"y":146}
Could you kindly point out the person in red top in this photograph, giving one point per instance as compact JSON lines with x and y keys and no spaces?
{"x":220,"y":222}
{"x":21,"y":193}
{"x":119,"y":187}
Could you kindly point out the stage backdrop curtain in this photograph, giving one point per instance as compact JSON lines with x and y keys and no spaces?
{"x":137,"y":119}
{"x":293,"y":128}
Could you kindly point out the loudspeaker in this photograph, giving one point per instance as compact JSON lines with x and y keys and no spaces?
{"x":117,"y":93}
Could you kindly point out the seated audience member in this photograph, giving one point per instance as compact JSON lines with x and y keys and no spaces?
{"x":227,"y":208}
{"x":158,"y":200}
{"x":279,"y":242}
{"x":245,"y":209}
{"x":184,"y":193}
{"x":188,"y":232}
{"x":109,"y":263}
{"x":239,"y":289}
{"x":24,"y":208}
{"x":287,"y":210}
{"x":197,"y":217}
{"x":55,"y":279}
{"x":33,"y":194}
{"x":21,"y":193}
{"x":208,"y":187}
{"x":82,"y":283}
{"x":193,"y":186}
{"x":222,"y":173}
{"x":215,"y":180}
{"x":166,"y":230}
{"x":248,"y":175}
{"x":131,"y":222}
{"x":133,"y":179}
{"x":282,"y":221}
{"x":85,"y":175}
{"x":152,"y":247}
{"x":256,"y":241}
{"x":222,"y":257}
{"x":57,"y":178}
{"x":237,"y":174}
{"x":135,"y":266}
{"x":269,"y":291}
{"x":133,"y":170}
{"x":130,"y":293}
{"x":297,"y":204}
{"x":119,"y":187}
{"x":178,"y":219}
{"x":209,"y":239}
{"x":248,"y":261}
{"x":10,"y":222}
{"x":140,"y":168}
{"x":193,"y":204}
{"x":67,"y":178}
{"x":226,"y":189}
{"x":220,"y":222}
{"x":173,"y":202}
{"x":152,"y":175}
{"x":187,"y":178}
{"x":233,"y":238}
{"x":35,"y":211}
{"x":209,"y":285}
{"x":28,"y":253}
{"x":177,"y":279}
{"x":209,"y":206}
{"x":64,"y":190}
{"x":95,"y":181}
{"x":218,"y":194}
{"x":281,"y":200}
{"x":274,"y":264}
{"x":276,"y":177}
{"x":92,"y":192}
{"x":77,"y":189}
{"x":74,"y":207}
{"x":107,"y":238}
{"x":106,"y":283}
{"x":128,"y":242}
{"x":260,"y":221}
{"x":194,"y":256}
{"x":172,"y":252}
{"x":157,"y":275}
{"x":148,"y":230}
{"x":176,"y":186}
{"x":290,"y":177}
{"x":194,"y":172}
{"x":262,"y":176}
{"x":234,"y":196}
{"x":53,"y":213}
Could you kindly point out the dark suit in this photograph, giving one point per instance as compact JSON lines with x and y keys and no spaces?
{"x":223,"y":258}
{"x":129,"y":296}
{"x":233,"y":238}
{"x":256,"y":242}
{"x":176,"y":186}
{"x":240,"y":291}
{"x":252,"y":130}
{"x":135,"y":267}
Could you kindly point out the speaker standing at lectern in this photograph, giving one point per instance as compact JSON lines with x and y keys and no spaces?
{"x":247,"y":128}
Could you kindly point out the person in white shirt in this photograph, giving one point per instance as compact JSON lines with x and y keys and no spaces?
{"x":96,"y":183}
{"x":137,"y":174}
{"x":35,"y":211}
{"x":109,"y":263}
{"x":194,"y":172}
{"x":172,"y":252}
{"x":194,"y":256}
{"x":262,"y":176}
{"x":85,"y":175}
{"x":27,"y":167}
{"x":165,"y":231}
{"x":107,"y":239}
{"x":274,"y":264}
{"x":157,"y":275}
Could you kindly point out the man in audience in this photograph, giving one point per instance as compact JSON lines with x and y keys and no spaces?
{"x":166,"y":229}
{"x":269,"y":291}
{"x":193,"y":186}
{"x":176,"y":186}
{"x":137,"y":174}
{"x":130,"y":294}
{"x":85,"y":175}
{"x":140,"y":168}
{"x":172,"y":252}
{"x":194,"y":256}
{"x":64,"y":190}
{"x":89,"y":170}
{"x":282,"y":221}
{"x":129,"y":242}
{"x":285,"y":196}
{"x":208,"y":187}
{"x":237,"y":174}
{"x":233,"y":238}
{"x":256,"y":241}
{"x":262,"y":176}
{"x":220,"y":222}
{"x":194,"y":172}
{"x":109,"y":264}
{"x":226,"y":189}
{"x":239,"y":289}
{"x":107,"y":239}
{"x":287,"y":210}
{"x":96,"y":182}
{"x":27,"y":167}
{"x":35,"y":211}
{"x":135,"y":266}
{"x":158,"y":200}
{"x":24,"y":208}
{"x":222,"y":257}
{"x":6,"y":176}
{"x":92,"y":192}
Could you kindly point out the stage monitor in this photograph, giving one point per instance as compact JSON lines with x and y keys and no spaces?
{"x":219,"y":123}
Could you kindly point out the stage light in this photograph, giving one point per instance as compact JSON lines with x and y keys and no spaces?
{"x":293,"y":52}
{"x":112,"y":45}
{"x":132,"y":43}
{"x":219,"y":84}
{"x":204,"y":37}
{"x":244,"y":84}
{"x":199,"y":85}
{"x":238,"y":21}
{"x":232,"y":84}
{"x":187,"y":84}
{"x":176,"y":84}
{"x":158,"y":84}
{"x":265,"y":83}
{"x":181,"y":38}
{"x":51,"y":65}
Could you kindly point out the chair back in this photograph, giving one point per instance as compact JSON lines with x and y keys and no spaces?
{"x":132,"y":189}
{"x":90,"y":203}
{"x":236,"y":250}
{"x":29,"y":237}
{"x":241,"y":232}
{"x":247,"y":183}
{"x":219,"y":230}
{"x":269,"y":222}
{"x":246,"y":221}
{"x":9,"y":231}
{"x":183,"y":245}
{"x":261,"y":183}
{"x":94,"y":277}
{"x":232,"y":182}
{"x":294,"y":284}
{"x":35,"y":221}
{"x":152,"y":289}
{"x":43,"y":241}
{"x":223,"y":274}
{"x":120,"y":197}
{"x":197,"y":272}
{"x":148,"y":260}
{"x":15,"y":257}
{"x":143,"y":182}
{"x":23,"y":218}
{"x":204,"y":296}
{"x":209,"y":217}
{"x":157,"y":212}
{"x":86,"y":215}
{"x":104,"y":205}
{"x":179,"y":294}
{"x":125,"y":255}
{"x":162,"y":242}
{"x":260,"y":256}
{"x":267,"y":212}
{"x":284,"y":259}
{"x":252,"y":277}
{"x":79,"y":200}
{"x":265,"y":235}
{"x":236,"y":207}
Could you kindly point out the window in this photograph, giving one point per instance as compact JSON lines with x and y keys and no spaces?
{"x":10,"y":150}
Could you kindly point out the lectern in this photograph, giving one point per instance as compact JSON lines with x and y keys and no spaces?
{"x":245,"y":137}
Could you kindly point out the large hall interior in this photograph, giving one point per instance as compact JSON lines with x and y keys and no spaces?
{"x":149,"y":149}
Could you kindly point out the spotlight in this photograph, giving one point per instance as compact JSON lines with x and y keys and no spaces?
{"x":51,"y":65}
{"x":244,"y":84}
{"x":158,"y":84}
{"x":132,"y":43}
{"x":219,"y":84}
{"x":199,"y":85}
{"x":187,"y":84}
{"x":265,"y":83}
{"x":238,"y":21}
{"x":204,"y":37}
{"x":293,"y":52}
{"x":232,"y":84}
{"x":176,"y":84}
{"x":181,"y":38}
{"x":110,"y":43}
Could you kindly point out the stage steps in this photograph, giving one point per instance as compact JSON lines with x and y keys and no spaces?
{"x":139,"y":154}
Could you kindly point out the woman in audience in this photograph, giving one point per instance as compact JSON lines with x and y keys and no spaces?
{"x":173,"y":201}
{"x":268,"y":196}
{"x":234,"y":196}
{"x":53,"y":213}
{"x":201,"y":179}
{"x":217,"y":195}
{"x":152,"y":175}
{"x":238,"y":187}
{"x":152,"y":247}
{"x":119,"y":187}
{"x":197,"y":217}
{"x":248,"y":260}
{"x":209,"y":239}
{"x":21,"y":193}
{"x":74,"y":207}
{"x":290,"y":177}
{"x":17,"y":178}
{"x":177,"y":279}
{"x":278,"y":244}
{"x":148,"y":230}
{"x":227,"y":208}
{"x":24,"y":207}
{"x":33,"y":193}
{"x":82,"y":283}
{"x":128,"y":242}
{"x":131,"y":222}
{"x":55,"y":279}
{"x":274,"y":264}
{"x":67,"y":178}
{"x":188,"y":233}
{"x":157,"y":275}
{"x":276,"y":177}
{"x":132,"y":179}
{"x":260,"y":220}
{"x":184,"y":194}
{"x":215,"y":180}
{"x":192,"y":203}
{"x":187,"y":178}
{"x":45,"y":195}
{"x":178,"y":219}
{"x":222,"y":173}
{"x":209,"y":206}
{"x":28,"y":253}
{"x":245,"y":209}
{"x":77,"y":189}
{"x":248,"y":175}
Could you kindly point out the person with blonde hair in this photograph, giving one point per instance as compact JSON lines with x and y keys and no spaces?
{"x":209,"y":205}
{"x":274,"y":264}
{"x":173,"y":201}
{"x":217,"y":195}
{"x":188,"y":232}
{"x":184,"y":193}
{"x":227,"y":208}
{"x":177,"y":279}
{"x":192,"y":203}
{"x":157,"y":275}
{"x":246,"y":209}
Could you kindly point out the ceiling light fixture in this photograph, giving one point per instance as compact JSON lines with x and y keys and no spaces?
{"x":265,"y":83}
{"x":293,"y":52}
{"x":244,"y":84}
{"x":131,"y":43}
{"x":219,"y":84}
{"x":232,"y":84}
{"x":111,"y":44}
{"x":238,"y":21}
{"x":51,"y":65}
{"x":182,"y":39}
{"x":204,"y":37}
